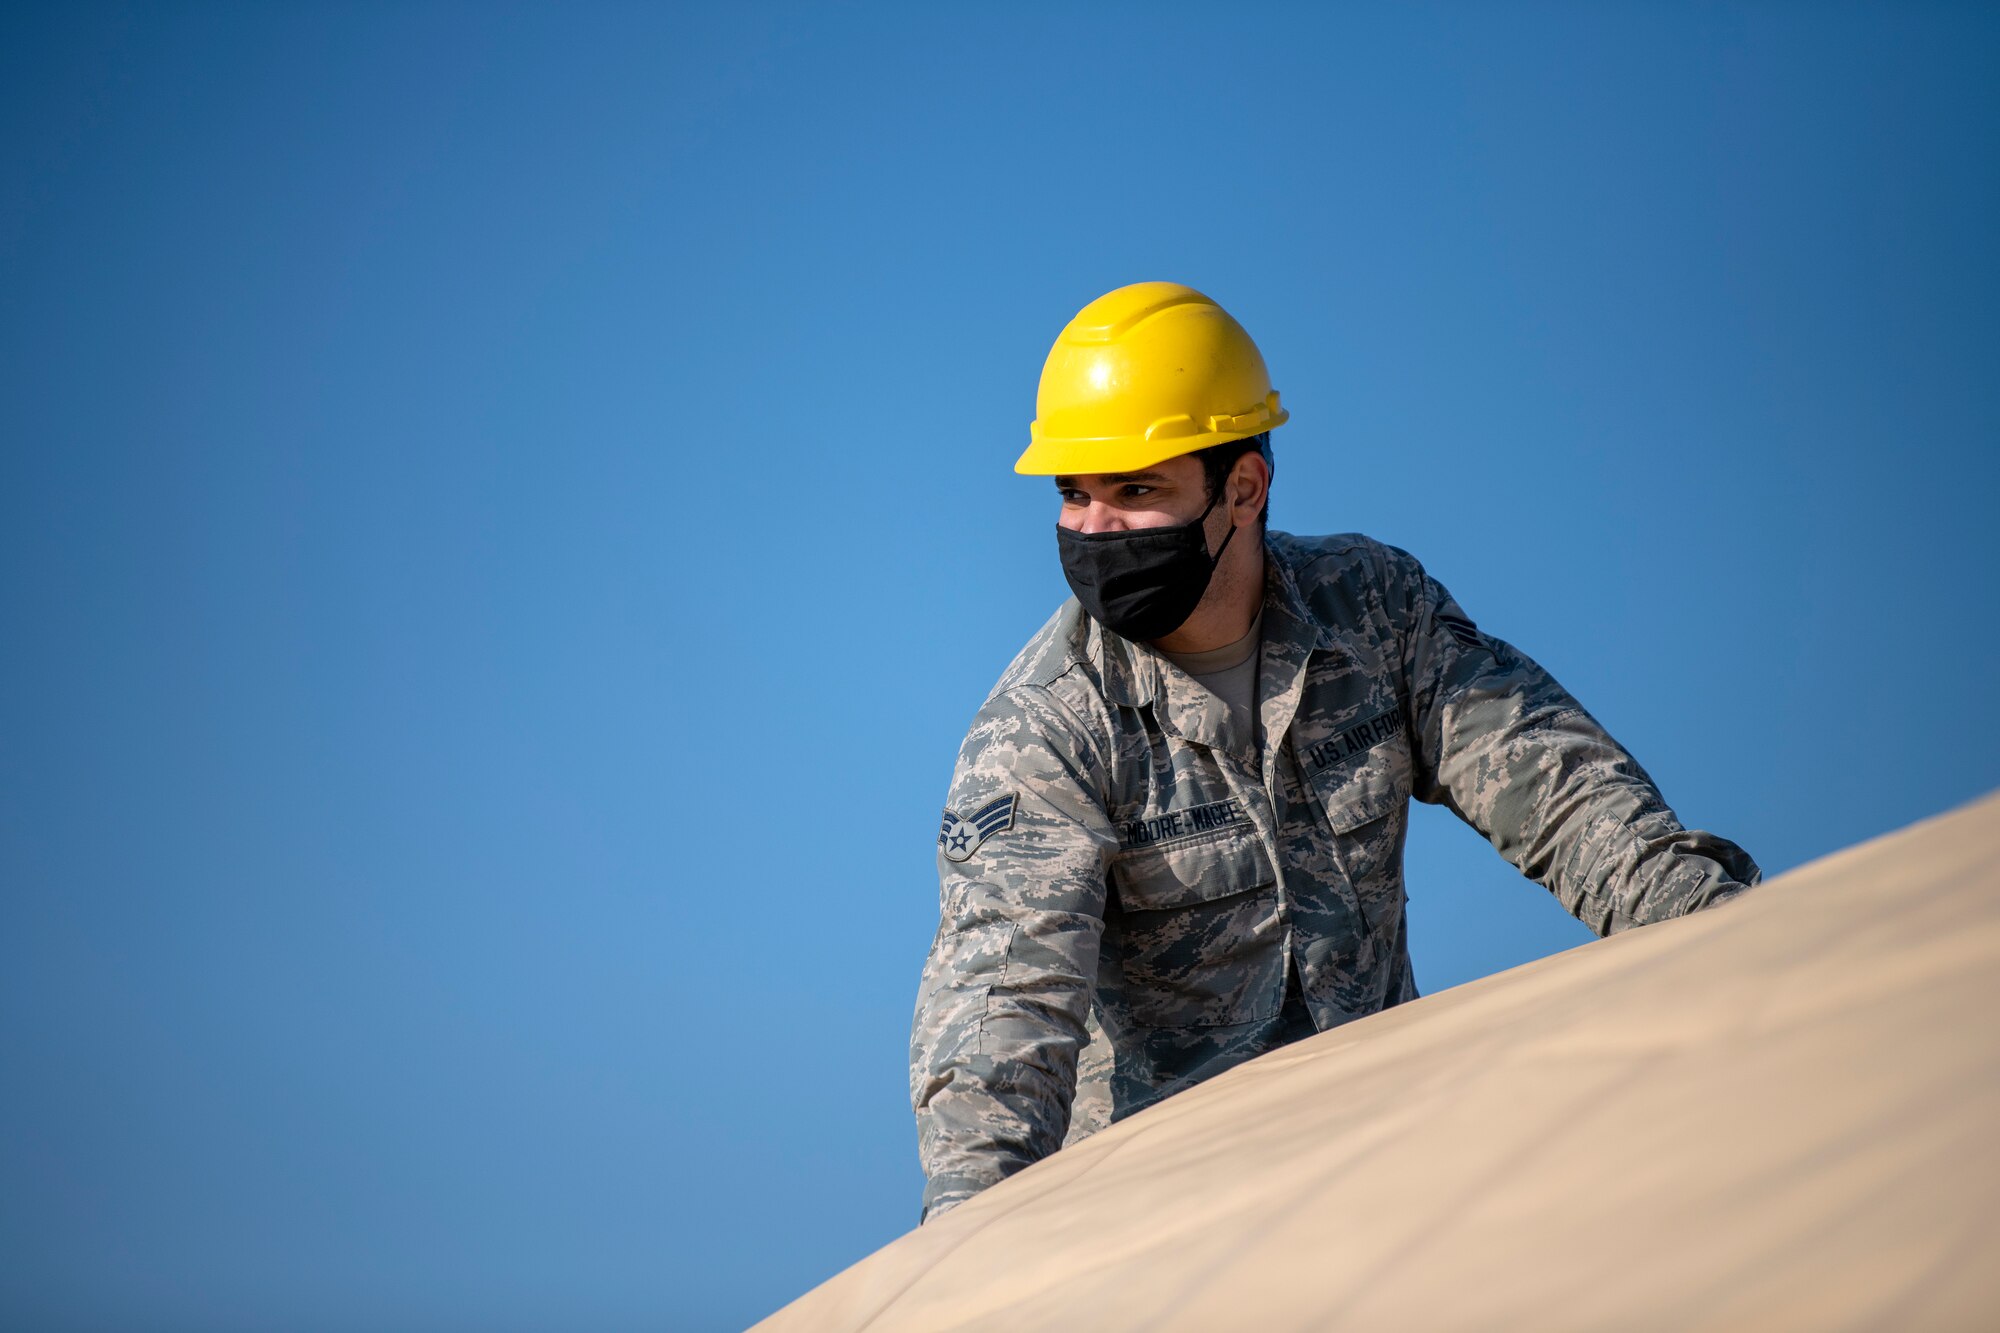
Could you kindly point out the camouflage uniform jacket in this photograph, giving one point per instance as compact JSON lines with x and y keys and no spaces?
{"x":1130,"y":882}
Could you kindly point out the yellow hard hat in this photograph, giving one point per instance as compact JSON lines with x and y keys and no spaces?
{"x":1148,"y":372}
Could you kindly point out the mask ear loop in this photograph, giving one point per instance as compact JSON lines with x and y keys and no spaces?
{"x":1215,"y":560}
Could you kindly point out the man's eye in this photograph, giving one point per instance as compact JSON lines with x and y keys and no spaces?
{"x":1071,"y":497}
{"x":1134,"y":491}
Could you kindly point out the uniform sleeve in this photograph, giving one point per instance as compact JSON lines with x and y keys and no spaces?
{"x":1514,"y":755}
{"x":1007,"y":987}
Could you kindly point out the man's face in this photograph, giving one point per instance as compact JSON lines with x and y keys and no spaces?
{"x":1166,"y":494}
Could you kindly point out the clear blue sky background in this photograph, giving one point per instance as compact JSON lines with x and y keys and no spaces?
{"x":505,"y":514}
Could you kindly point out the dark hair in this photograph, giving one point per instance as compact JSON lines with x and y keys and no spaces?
{"x":1218,"y":459}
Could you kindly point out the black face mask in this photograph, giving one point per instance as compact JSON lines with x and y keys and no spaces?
{"x":1143,"y":583}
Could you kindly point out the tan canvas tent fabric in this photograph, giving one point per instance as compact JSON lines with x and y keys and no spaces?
{"x":1780,"y":1114}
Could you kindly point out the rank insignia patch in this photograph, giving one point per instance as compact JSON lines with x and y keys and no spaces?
{"x":1461,"y":629}
{"x":960,"y":835}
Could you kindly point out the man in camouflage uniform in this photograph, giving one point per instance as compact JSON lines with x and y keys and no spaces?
{"x":1143,"y":884}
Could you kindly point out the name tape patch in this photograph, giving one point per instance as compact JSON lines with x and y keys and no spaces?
{"x":1150,"y":829}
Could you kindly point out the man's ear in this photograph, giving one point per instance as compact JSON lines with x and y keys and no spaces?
{"x":1249,"y":485}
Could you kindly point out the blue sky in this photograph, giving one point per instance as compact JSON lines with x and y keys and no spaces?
{"x":506,"y":512}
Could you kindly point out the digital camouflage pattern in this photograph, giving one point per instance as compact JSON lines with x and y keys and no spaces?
{"x":1127,"y":933}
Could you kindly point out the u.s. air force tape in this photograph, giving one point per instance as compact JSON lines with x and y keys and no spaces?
{"x":960,"y":835}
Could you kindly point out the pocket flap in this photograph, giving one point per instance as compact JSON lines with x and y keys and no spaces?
{"x":1199,"y":871}
{"x":1360,"y":796}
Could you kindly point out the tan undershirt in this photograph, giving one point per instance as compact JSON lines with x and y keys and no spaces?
{"x":1230,"y":672}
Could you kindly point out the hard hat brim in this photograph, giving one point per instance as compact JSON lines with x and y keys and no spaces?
{"x":1068,"y":458}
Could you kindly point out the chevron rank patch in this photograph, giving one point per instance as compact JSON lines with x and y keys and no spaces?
{"x":1461,"y":629}
{"x":960,"y":835}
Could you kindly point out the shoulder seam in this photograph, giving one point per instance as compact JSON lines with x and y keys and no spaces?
{"x":1039,"y":680}
{"x":1067,"y":716}
{"x":1309,"y":555}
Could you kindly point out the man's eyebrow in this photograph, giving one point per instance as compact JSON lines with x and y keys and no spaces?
{"x":1114,"y":478}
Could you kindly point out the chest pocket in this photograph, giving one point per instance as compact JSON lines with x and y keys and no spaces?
{"x":1367,"y":811}
{"x":1358,"y":795}
{"x":1199,"y":934}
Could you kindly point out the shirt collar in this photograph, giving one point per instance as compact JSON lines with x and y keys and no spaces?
{"x":1136,"y":674}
